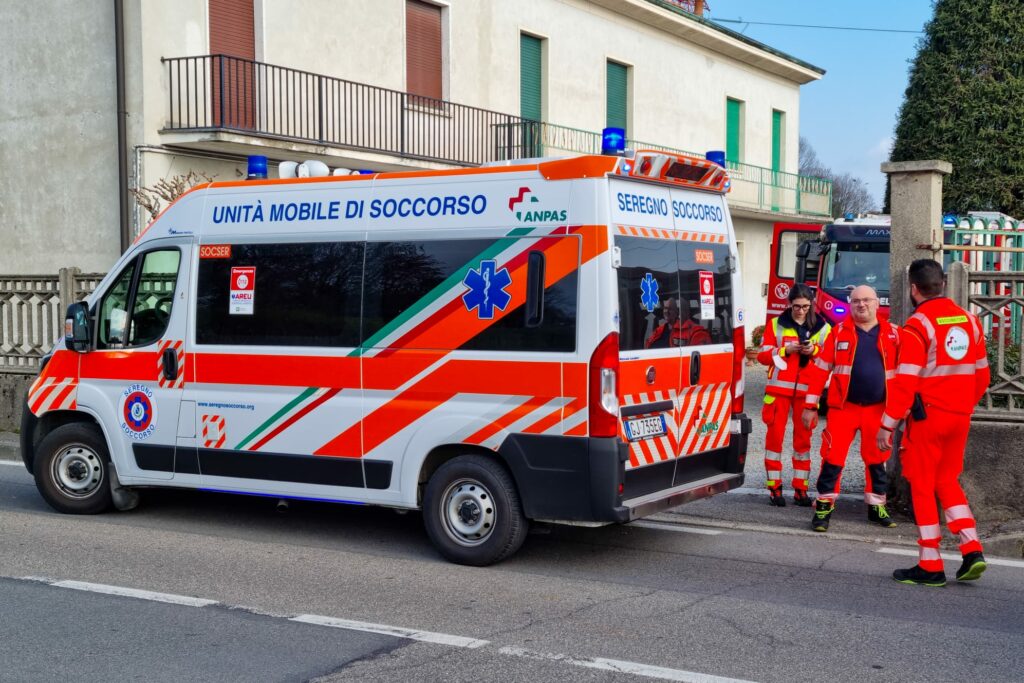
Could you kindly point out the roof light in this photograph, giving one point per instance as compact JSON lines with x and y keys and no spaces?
{"x":716,"y":156}
{"x":613,"y":141}
{"x":848,"y":216}
{"x":257,"y":167}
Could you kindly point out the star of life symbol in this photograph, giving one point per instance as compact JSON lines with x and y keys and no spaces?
{"x":649,"y":293}
{"x":487,"y":289}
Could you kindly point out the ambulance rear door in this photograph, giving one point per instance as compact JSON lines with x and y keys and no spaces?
{"x":708,"y":284}
{"x":650,"y":361}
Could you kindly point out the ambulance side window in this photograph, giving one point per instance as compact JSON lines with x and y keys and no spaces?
{"x":136,"y":309}
{"x":706,"y":286}
{"x":403,"y":278}
{"x":295,"y":294}
{"x":113,"y":320}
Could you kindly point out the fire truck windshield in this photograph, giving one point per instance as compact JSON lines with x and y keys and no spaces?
{"x":849,"y":264}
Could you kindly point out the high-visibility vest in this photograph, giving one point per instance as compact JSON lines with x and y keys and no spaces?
{"x":785,"y":376}
{"x":837,"y":355}
{"x":943,"y":358}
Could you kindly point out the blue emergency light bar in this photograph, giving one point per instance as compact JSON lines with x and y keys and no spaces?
{"x":257,"y":167}
{"x":613,"y":141}
{"x":715,"y":156}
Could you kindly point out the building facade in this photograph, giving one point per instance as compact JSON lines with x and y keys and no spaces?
{"x":143,"y":91}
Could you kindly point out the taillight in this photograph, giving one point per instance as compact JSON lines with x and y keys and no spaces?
{"x":738,"y":357}
{"x":604,"y":387}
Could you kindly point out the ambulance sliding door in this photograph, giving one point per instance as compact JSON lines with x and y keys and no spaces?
{"x":457,"y":349}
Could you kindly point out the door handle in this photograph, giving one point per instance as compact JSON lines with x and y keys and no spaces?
{"x":694,"y":368}
{"x":170,"y":364}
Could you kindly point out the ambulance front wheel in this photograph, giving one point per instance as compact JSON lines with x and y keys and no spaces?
{"x":72,"y":469}
{"x":472,"y":511}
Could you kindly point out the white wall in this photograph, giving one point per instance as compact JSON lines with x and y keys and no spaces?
{"x":58,"y":137}
{"x":755,"y":254}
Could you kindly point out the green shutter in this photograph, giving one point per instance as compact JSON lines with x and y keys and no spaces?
{"x":733,"y":119}
{"x":618,"y":105}
{"x":529,"y":77}
{"x":777,"y":119}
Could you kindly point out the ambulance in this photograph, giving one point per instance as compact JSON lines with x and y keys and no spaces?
{"x":546,"y":340}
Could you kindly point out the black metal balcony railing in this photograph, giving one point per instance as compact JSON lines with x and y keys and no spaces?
{"x":217,"y":92}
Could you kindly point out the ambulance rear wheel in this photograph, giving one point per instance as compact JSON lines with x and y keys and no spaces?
{"x":472,"y":511}
{"x":72,"y":469}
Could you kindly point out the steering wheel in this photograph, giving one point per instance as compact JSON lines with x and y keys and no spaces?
{"x":162,"y":309}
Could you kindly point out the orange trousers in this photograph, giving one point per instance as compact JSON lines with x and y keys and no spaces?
{"x":775,"y":415}
{"x":843,"y":425}
{"x":932,"y":460}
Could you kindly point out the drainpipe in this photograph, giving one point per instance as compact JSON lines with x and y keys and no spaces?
{"x":122,"y":126}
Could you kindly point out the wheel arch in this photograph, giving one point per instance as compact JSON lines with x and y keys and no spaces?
{"x":439,"y":455}
{"x":35,"y":428}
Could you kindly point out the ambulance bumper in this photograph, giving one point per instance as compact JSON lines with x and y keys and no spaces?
{"x":662,"y":500}
{"x":27,"y":435}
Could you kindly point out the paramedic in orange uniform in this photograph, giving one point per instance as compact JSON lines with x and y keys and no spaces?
{"x":790,"y":342}
{"x":861,"y":356}
{"x":944,"y":364}
{"x":676,"y":332}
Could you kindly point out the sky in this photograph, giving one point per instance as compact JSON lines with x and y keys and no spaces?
{"x":850,"y":114}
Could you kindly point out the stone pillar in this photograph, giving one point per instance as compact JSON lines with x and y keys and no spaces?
{"x":916,"y":205}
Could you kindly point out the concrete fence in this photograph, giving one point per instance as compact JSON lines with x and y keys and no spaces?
{"x":32,"y":314}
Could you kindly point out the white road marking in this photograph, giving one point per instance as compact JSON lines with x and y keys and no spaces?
{"x":12,"y":463}
{"x":752,"y":491}
{"x":621,"y":666}
{"x":396,"y":631}
{"x":952,"y":556}
{"x":663,"y":526}
{"x":135,"y":593}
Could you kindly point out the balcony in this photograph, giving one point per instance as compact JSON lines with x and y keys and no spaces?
{"x":229,"y":104}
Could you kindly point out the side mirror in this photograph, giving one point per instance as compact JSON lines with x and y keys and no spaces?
{"x":77,"y":331}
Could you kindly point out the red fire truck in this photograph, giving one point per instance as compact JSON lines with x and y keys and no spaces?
{"x":832,"y":259}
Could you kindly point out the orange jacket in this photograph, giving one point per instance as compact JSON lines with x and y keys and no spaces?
{"x":837,"y":356}
{"x":684,"y":333}
{"x":786,"y":377}
{"x":943,"y":358}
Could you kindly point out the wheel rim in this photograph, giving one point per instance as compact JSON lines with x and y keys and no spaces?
{"x":77,"y":471}
{"x":467,"y":508}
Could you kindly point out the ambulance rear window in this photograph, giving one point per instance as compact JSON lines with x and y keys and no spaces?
{"x":673,"y":293}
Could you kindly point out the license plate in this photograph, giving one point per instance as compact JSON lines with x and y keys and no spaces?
{"x":645,"y":428}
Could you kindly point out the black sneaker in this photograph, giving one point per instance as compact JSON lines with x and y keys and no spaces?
{"x":973,"y":567}
{"x":775,"y":497}
{"x":802,"y":499}
{"x":822,"y":514}
{"x":918,"y":576}
{"x":877,"y":514}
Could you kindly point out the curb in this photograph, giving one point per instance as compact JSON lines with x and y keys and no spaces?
{"x":692,"y":520}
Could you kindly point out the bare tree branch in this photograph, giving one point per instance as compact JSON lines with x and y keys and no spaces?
{"x":166,"y":190}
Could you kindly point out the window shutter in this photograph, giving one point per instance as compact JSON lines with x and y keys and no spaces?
{"x":423,"y":49}
{"x":530,"y":103}
{"x":777,"y":118}
{"x":617,"y":106}
{"x":232,"y":28}
{"x":733,"y":118}
{"x":233,"y":34}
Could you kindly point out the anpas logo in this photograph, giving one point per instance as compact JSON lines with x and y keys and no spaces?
{"x":531,"y":214}
{"x":709,"y":427}
{"x":957,"y":343}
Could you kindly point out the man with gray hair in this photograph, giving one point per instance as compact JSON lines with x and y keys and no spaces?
{"x":861,"y":355}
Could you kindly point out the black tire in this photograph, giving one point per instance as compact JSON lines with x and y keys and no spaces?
{"x":457,"y":517}
{"x":72,"y":469}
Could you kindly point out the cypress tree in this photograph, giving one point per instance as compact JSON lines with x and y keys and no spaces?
{"x":965,"y":104}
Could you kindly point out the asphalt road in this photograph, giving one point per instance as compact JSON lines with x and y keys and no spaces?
{"x":264,"y":594}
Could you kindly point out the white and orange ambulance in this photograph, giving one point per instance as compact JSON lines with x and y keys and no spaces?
{"x":556,"y":340}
